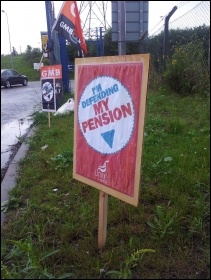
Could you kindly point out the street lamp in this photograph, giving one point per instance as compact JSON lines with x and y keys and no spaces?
{"x":9,"y":38}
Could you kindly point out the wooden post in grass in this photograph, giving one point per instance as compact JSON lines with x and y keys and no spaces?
{"x":103,"y":211}
{"x":49,"y":119}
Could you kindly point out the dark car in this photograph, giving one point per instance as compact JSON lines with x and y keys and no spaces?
{"x":11,"y":77}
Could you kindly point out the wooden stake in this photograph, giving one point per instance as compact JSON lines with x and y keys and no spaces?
{"x":103,"y":211}
{"x":49,"y":119}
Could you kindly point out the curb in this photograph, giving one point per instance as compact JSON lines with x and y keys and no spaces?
{"x":10,"y":177}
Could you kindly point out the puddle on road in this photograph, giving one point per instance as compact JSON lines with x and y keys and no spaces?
{"x":9,"y":136}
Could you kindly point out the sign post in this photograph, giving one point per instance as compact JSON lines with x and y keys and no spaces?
{"x":49,"y":120}
{"x":103,"y":210}
{"x":110,"y":103}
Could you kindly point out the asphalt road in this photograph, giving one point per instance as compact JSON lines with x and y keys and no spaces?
{"x":17,"y":104}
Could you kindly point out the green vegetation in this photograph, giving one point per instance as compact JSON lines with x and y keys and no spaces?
{"x":23,"y":63}
{"x":186,"y":72}
{"x":52,"y":221}
{"x":187,"y":65}
{"x":51,"y":230}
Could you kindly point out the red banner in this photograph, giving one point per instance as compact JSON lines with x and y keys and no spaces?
{"x":68,"y":25}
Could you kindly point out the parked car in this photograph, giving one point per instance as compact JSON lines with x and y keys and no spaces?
{"x":11,"y":77}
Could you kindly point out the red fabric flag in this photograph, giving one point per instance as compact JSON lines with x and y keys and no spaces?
{"x":68,"y":25}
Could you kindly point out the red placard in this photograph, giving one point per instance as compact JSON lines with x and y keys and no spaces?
{"x":109,"y":124}
{"x":53,"y":71}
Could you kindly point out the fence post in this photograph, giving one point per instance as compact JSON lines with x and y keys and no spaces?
{"x":166,"y":36}
{"x":209,"y":54}
{"x":101,"y":42}
{"x":141,"y":42}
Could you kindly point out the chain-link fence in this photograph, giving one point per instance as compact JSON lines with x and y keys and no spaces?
{"x":185,"y":40}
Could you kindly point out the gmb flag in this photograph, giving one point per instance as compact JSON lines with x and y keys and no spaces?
{"x":68,"y":25}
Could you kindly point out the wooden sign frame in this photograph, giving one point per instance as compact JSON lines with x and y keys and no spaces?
{"x":129,"y":75}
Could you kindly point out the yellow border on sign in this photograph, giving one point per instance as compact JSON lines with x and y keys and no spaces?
{"x":143,"y":58}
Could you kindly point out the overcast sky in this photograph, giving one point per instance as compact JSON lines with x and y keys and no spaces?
{"x":28,"y":18}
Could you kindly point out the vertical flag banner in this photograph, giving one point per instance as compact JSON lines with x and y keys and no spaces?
{"x":51,"y":86}
{"x":110,"y":103}
{"x":68,"y":25}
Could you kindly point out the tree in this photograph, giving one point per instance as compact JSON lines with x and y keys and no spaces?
{"x":14,"y":52}
{"x":28,"y":49}
{"x":32,"y":54}
{"x":110,"y":48}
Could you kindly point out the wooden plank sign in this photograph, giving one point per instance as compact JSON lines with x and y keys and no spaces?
{"x":110,"y":98}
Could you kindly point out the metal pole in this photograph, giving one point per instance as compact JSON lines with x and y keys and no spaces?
{"x":63,"y":56}
{"x":101,"y":42}
{"x":141,"y":42}
{"x":166,"y":36}
{"x":9,"y":38}
{"x":121,"y":28}
{"x":209,"y":55}
{"x":97,"y":43}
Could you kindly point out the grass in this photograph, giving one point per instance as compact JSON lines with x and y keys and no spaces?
{"x":51,"y":229}
{"x":25,"y":66}
{"x":21,"y":65}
